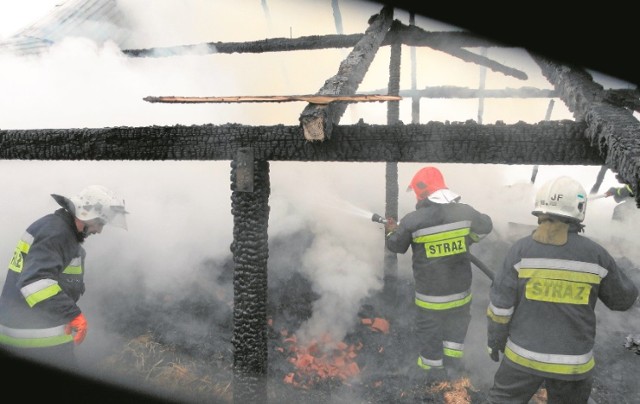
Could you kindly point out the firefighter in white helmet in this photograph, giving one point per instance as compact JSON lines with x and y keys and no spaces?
{"x":541,"y":311}
{"x":39,"y":315}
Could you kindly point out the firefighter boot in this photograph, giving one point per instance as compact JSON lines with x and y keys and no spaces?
{"x":436,"y":375}
{"x":455,"y":368}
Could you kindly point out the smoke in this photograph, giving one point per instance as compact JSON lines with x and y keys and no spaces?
{"x":181,"y":210}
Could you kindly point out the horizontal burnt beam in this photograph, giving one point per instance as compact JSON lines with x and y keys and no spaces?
{"x":546,"y":142}
{"x":406,"y":35}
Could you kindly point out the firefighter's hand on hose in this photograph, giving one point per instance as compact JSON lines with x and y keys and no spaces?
{"x":79,"y":325}
{"x":494,"y":347}
{"x":390,"y":226}
{"x":494,"y":354}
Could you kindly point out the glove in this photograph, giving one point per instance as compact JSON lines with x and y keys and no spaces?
{"x":390,"y":226}
{"x":494,"y":353}
{"x":611,"y":191}
{"x":497,"y":339}
{"x":79,"y":325}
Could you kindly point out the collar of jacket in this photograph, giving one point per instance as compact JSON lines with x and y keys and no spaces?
{"x":71,"y":221}
{"x":444,"y":196}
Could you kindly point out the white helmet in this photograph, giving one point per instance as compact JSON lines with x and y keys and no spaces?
{"x":563,"y":197}
{"x":96,"y":202}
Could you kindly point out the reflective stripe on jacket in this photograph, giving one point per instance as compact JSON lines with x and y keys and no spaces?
{"x":34,"y":338}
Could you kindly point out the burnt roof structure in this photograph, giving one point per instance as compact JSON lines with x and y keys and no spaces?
{"x":604,"y":132}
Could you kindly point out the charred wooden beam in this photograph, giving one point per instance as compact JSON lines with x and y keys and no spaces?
{"x":250,"y":253}
{"x":311,"y":42}
{"x":317,"y":120}
{"x":408,"y":35}
{"x":551,"y":143}
{"x":315,"y":42}
{"x":622,"y":97}
{"x":611,"y":129}
{"x":390,"y":262}
{"x":447,"y":42}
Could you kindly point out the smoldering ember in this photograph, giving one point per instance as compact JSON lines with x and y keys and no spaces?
{"x":238,"y":333}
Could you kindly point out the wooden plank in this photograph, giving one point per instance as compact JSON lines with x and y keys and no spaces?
{"x":311,"y":98}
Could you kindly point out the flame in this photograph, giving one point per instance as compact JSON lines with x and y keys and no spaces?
{"x":325,"y":358}
{"x":321,"y":359}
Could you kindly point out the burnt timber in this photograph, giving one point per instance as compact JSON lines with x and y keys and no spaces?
{"x":553,"y":143}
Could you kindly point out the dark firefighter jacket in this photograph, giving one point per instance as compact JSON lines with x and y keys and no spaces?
{"x":542,"y":304}
{"x":440,"y":236}
{"x":43,"y":284}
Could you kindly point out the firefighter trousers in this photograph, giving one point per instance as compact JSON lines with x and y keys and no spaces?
{"x":511,"y":385}
{"x":441,"y":334}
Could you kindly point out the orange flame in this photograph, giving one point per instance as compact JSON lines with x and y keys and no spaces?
{"x":324,"y":359}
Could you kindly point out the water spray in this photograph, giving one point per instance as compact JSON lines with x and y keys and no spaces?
{"x":598,"y":196}
{"x":378,"y":219}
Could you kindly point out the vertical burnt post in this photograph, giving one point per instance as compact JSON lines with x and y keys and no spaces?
{"x":391,"y":178}
{"x":250,"y":208}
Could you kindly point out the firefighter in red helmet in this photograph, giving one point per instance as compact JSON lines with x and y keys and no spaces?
{"x":440,"y":232}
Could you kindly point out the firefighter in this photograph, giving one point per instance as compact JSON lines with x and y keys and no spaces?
{"x":39,"y":315}
{"x":541,"y":311}
{"x":440,"y":232}
{"x":625,"y":198}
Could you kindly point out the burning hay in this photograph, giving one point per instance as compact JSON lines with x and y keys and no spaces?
{"x":455,"y":392}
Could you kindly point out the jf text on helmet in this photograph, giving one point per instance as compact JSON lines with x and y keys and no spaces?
{"x":562,"y":197}
{"x":96,"y":202}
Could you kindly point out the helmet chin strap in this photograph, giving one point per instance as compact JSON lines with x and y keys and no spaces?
{"x":84,"y":233}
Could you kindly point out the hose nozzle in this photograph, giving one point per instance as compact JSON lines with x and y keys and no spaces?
{"x":378,"y":219}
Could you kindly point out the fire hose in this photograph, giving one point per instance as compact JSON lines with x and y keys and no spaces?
{"x":474,"y":260}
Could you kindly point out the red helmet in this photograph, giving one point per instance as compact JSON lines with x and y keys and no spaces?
{"x":427,"y":181}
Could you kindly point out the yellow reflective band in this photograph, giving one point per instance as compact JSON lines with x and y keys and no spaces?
{"x":73,"y":270}
{"x":557,"y":291}
{"x":561,"y":369}
{"x":444,"y":305}
{"x":496,"y":318}
{"x":43,"y":294}
{"x":559,"y":274}
{"x":435,"y":364}
{"x":453,"y":353}
{"x":35,"y":342}
{"x":23,"y":246}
